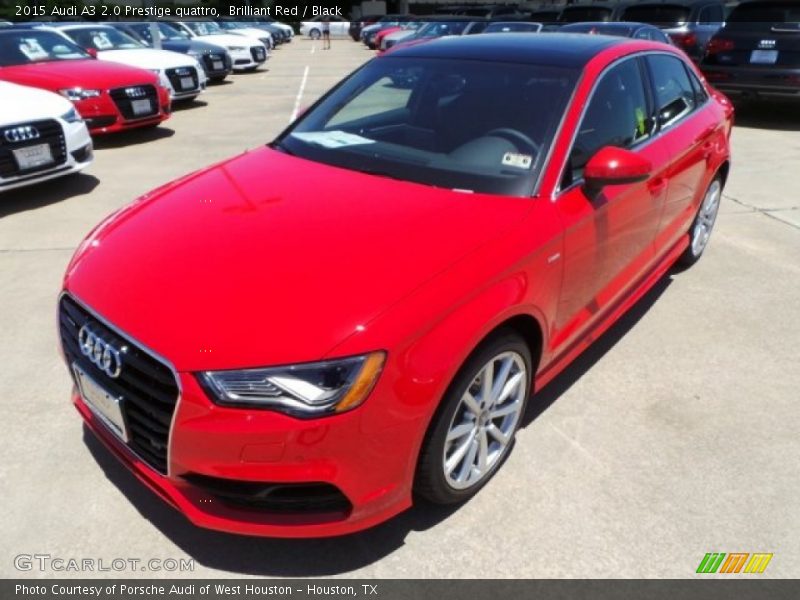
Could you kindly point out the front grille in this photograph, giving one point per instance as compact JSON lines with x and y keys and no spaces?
{"x":277,"y":498}
{"x":258,"y":53}
{"x":178,"y":76}
{"x":147,"y":386}
{"x":125,"y":97}
{"x":210,"y":59}
{"x":49,"y":132}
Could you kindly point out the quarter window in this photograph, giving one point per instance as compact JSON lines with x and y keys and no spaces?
{"x":675,"y":95}
{"x":617,"y":115}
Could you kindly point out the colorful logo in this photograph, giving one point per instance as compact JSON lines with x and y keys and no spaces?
{"x":735,"y":562}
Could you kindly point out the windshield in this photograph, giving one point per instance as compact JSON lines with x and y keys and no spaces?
{"x":585,"y":13}
{"x":481,"y":126}
{"x":666,"y":15}
{"x":787,"y":13}
{"x":102,"y":38}
{"x":167,"y":33}
{"x":23,"y":47}
{"x":205,"y":28}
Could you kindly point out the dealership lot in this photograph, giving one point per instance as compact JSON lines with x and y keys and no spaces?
{"x":675,"y":435}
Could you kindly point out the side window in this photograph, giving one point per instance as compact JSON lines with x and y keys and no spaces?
{"x":700,"y":95}
{"x":617,"y":115}
{"x":704,"y":18}
{"x":642,"y":34}
{"x":675,"y":96}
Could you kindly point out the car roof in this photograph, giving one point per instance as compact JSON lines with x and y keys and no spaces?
{"x":555,"y":49}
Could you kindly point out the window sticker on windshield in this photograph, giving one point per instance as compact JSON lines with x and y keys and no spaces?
{"x":32,"y":49}
{"x":332,"y":139}
{"x":101,"y":41}
{"x":520,"y":161}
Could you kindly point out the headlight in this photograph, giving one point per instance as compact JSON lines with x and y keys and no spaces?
{"x":76,"y":93}
{"x":71,"y":116}
{"x":237,"y":48}
{"x":305,"y":390}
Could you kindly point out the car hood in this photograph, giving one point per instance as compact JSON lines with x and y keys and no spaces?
{"x":89,"y":73}
{"x":22,"y":103}
{"x":272,"y":259}
{"x":148,"y":58}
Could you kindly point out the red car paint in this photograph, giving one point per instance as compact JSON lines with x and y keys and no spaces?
{"x":220,"y":271}
{"x":382,"y":34}
{"x":92,"y":74}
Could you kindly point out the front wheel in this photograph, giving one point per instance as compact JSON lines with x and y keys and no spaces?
{"x":703,"y":224}
{"x":315,"y":34}
{"x":473,"y":431}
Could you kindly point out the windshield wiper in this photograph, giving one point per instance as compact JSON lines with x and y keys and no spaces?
{"x":279,"y":145}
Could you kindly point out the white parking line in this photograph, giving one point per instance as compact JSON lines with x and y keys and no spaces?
{"x":300,"y":94}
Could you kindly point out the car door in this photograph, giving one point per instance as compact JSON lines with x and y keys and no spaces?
{"x":691,"y":132}
{"x":608,"y":241}
{"x":339,"y":26}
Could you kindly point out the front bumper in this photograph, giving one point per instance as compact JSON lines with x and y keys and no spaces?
{"x":249,"y":58}
{"x":103,"y":115}
{"x":374,"y":474}
{"x":78,"y":154}
{"x":754,"y":82}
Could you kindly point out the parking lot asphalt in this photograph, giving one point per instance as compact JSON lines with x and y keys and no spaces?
{"x":673,"y":436}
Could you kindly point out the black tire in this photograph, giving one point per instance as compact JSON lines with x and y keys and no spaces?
{"x":692,"y":253}
{"x":430,"y":481}
{"x":315,"y":34}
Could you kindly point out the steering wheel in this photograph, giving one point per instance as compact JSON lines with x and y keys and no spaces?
{"x":515,"y":137}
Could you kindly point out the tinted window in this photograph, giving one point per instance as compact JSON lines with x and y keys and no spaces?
{"x":617,"y":115}
{"x":700,"y":94}
{"x":710,"y":15}
{"x":765,"y":13}
{"x":667,"y":15}
{"x":585,"y":13}
{"x":476,"y":125}
{"x":22,"y":47}
{"x":675,"y":95}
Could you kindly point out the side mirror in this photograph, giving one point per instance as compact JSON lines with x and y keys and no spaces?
{"x":614,"y":166}
{"x":91,"y":52}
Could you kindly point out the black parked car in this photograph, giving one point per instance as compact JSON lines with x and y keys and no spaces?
{"x":215,"y":60}
{"x":592,"y":11}
{"x":690,"y":23}
{"x":757,"y":53}
{"x":637,"y":31}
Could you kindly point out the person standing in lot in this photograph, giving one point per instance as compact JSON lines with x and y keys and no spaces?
{"x":326,"y":33}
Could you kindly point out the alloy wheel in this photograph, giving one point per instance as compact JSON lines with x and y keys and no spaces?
{"x":484,"y":422}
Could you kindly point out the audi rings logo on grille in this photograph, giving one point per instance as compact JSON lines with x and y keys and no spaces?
{"x":135,"y":92}
{"x":107,"y":358}
{"x":21,"y":134}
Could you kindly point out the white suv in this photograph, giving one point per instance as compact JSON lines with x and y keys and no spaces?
{"x":41,"y":137}
{"x":180,"y":73}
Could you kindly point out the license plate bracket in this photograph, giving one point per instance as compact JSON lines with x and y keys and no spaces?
{"x":32,"y":157}
{"x":187,"y":83}
{"x":763,"y":57}
{"x":104,"y":405}
{"x":142,"y":107}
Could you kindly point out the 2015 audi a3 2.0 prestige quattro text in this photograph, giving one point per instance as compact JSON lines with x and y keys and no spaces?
{"x":300,"y":340}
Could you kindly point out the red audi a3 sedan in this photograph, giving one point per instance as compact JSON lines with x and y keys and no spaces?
{"x":300,"y":340}
{"x":109,"y":96}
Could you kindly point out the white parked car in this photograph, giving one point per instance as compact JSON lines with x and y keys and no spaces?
{"x":41,"y":137}
{"x":246,"y":53}
{"x":339,"y":27}
{"x":239,"y":28}
{"x":180,"y":73}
